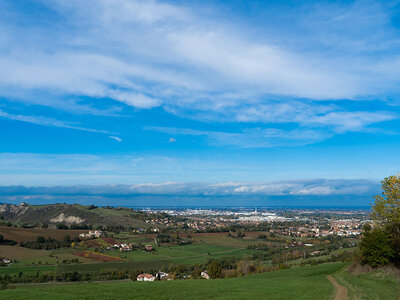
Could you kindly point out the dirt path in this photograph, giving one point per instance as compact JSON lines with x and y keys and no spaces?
{"x":341,"y":291}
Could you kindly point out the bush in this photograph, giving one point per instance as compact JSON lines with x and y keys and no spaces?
{"x":62,"y":226}
{"x":4,"y":241}
{"x":215,"y":269}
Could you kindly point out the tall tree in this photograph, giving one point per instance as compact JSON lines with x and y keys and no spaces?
{"x":386,"y":210}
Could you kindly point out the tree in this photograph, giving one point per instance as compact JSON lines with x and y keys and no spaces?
{"x":40,"y":239}
{"x":384,"y":239}
{"x":376,"y":247}
{"x":386,"y":210}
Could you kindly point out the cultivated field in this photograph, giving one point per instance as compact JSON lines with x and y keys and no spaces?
{"x":21,"y":253}
{"x":30,"y":234}
{"x":202,"y":249}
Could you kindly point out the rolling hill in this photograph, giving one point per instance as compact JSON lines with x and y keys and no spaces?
{"x":297,"y":283}
{"x":53,"y":214}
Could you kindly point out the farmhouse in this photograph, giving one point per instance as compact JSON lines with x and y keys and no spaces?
{"x":163,"y":276}
{"x":125,"y":247}
{"x":205,"y":275}
{"x":315,"y":253}
{"x":145,"y":277}
{"x":148,"y":248}
{"x":6,"y":260}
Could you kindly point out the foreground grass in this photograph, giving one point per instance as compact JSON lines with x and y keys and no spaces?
{"x":308,"y":282}
{"x":371,"y":285}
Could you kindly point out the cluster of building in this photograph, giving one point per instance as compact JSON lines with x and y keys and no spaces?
{"x":6,"y":261}
{"x":265,"y":217}
{"x":339,"y":228}
{"x":125,"y":247}
{"x":165,"y":276}
{"x":314,"y":221}
{"x":149,"y":277}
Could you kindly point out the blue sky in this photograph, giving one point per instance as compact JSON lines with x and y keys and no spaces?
{"x":253,"y":93}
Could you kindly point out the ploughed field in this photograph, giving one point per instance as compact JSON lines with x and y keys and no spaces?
{"x":30,"y":234}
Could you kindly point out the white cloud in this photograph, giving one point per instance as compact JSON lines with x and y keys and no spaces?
{"x":241,"y":189}
{"x":118,"y":139}
{"x":134,"y":99}
{"x":319,"y":190}
{"x":153,"y":37}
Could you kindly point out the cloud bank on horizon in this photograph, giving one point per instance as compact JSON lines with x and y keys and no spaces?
{"x":199,"y":80}
{"x":245,"y":193}
{"x":314,"y":187}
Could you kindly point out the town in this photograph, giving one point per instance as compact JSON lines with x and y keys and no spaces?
{"x":299,"y":223}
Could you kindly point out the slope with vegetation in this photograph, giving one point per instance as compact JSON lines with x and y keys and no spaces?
{"x":380,"y":243}
{"x":74,"y":216}
{"x":308,"y":282}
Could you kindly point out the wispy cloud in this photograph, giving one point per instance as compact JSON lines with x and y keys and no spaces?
{"x":155,"y":54}
{"x":119,"y":140}
{"x":252,"y":138}
{"x":47,"y":122}
{"x":72,"y":169}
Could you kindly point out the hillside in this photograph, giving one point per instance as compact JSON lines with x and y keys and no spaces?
{"x":298,"y":283}
{"x":68,"y":214}
{"x":310,"y":282}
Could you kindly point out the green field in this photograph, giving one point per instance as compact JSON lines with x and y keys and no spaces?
{"x":187,"y":254}
{"x":308,"y":282}
{"x":27,"y":269}
{"x":371,"y":285}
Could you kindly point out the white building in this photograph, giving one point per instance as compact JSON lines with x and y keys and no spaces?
{"x":145,"y":277}
{"x":205,"y":275}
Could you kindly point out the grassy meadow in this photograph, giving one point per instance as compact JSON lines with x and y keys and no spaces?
{"x":308,"y":282}
{"x":372,"y":285}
